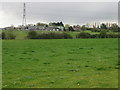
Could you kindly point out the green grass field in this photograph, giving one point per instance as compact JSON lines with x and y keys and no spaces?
{"x":60,"y":63}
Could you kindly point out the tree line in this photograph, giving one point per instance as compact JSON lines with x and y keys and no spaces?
{"x":60,"y":35}
{"x":113,"y":27}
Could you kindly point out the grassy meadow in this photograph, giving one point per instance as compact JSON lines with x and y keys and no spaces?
{"x":60,"y":63}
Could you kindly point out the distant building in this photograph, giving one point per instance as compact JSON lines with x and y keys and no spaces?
{"x":9,"y":28}
{"x":35,"y":28}
{"x":90,"y":26}
{"x":44,"y":28}
{"x":61,"y":28}
{"x":76,"y":27}
{"x":51,"y":28}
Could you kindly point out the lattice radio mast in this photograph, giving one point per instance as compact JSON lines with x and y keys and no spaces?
{"x":24,"y":15}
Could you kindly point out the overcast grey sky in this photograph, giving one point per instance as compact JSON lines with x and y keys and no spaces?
{"x":68,"y":12}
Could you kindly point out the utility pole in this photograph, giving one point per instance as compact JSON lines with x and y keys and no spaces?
{"x":24,"y":15}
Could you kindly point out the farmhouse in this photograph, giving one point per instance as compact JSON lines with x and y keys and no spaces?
{"x":44,"y":28}
{"x":35,"y":28}
{"x":8,"y":28}
{"x":76,"y":27}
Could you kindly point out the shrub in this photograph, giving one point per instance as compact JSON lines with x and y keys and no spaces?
{"x":3,"y":35}
{"x":51,"y":35}
{"x":83,"y":35}
{"x":95,"y":30}
{"x":113,"y":35}
{"x":94,"y":35}
{"x":54,"y":36}
{"x":67,"y":36}
{"x":103,"y":34}
{"x":32,"y":35}
{"x":10,"y":36}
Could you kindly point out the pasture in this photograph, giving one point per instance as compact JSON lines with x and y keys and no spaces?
{"x":60,"y":63}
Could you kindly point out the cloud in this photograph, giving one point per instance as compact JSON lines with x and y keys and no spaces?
{"x":71,"y":13}
{"x":59,"y":0}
